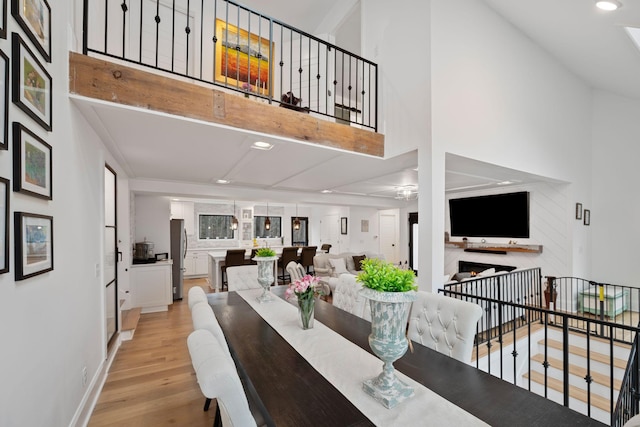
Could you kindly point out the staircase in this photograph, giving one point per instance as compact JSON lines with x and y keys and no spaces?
{"x":130,"y":320}
{"x":602,"y":387}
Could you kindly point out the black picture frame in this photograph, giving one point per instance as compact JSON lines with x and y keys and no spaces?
{"x":32,"y":89}
{"x":343,"y":225}
{"x":3,"y":19}
{"x":4,"y":225}
{"x":34,"y":17}
{"x":4,"y":101}
{"x":578,"y":210}
{"x":32,"y":164}
{"x":587,"y":217}
{"x":33,"y":244}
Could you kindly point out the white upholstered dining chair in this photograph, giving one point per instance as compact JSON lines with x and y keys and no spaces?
{"x":296,"y":271}
{"x":218,"y":379}
{"x":196,"y":295}
{"x":347,"y":297}
{"x":445,"y":324}
{"x":203,"y":317}
{"x":242,"y":277}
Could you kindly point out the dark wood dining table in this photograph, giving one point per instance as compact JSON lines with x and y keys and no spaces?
{"x":290,"y":392}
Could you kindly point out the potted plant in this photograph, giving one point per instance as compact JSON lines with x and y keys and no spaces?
{"x":390,"y":291}
{"x":265,"y":257}
{"x":306,"y":290}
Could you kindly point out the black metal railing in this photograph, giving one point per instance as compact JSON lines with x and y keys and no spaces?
{"x":553,"y":351}
{"x":519,"y":287}
{"x":227,"y":44}
{"x":614,"y":303}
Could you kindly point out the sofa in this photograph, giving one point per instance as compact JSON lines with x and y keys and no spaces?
{"x":328,"y":267}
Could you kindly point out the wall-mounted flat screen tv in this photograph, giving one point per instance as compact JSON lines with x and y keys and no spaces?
{"x":496,"y":215}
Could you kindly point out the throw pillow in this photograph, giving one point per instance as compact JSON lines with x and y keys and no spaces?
{"x":487,"y":272}
{"x":357,"y":259}
{"x":338,"y":266}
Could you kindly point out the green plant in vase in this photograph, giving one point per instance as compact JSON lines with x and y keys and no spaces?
{"x":265,"y":258}
{"x":390,"y":291}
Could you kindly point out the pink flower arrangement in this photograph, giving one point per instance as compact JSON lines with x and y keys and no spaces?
{"x":307,"y":287}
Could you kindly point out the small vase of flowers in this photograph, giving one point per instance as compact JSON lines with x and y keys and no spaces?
{"x":306,"y":290}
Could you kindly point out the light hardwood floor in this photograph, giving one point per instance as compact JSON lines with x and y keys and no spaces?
{"x":151,"y":381}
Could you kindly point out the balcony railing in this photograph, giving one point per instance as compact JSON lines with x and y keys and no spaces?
{"x":577,"y":344}
{"x":229,"y":45}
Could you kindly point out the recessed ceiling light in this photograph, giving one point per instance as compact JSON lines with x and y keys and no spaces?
{"x":505,"y":182}
{"x":326,"y":191}
{"x":608,"y":5}
{"x":222,"y":181}
{"x":261,"y":145}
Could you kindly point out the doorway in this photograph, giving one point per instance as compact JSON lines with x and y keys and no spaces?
{"x":110,"y":255}
{"x":300,"y":236}
{"x":389,"y":236}
{"x":413,"y":241}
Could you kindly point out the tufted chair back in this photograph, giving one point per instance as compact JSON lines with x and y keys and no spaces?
{"x":296,"y":271}
{"x":347,"y":297}
{"x":445,"y":324}
{"x":196,"y":295}
{"x":242,"y":277}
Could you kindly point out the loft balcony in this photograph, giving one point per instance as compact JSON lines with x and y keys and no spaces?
{"x":220,"y":62}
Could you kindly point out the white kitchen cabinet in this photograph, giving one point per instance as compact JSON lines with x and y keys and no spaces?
{"x":151,"y":286}
{"x":196,"y":263}
{"x":184,"y":210}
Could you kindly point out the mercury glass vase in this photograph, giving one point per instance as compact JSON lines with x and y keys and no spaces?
{"x":388,"y":340}
{"x":265,"y":276}
{"x":306,"y":306}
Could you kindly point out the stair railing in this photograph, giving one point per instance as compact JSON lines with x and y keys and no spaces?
{"x":628,"y":404}
{"x":229,"y":45}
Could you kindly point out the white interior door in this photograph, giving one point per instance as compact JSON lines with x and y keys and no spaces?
{"x":389,"y":237}
{"x":330,"y":232}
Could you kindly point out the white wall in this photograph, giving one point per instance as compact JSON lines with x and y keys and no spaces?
{"x":501,"y":99}
{"x":152,"y":222}
{"x":52,"y":324}
{"x":615,"y":210}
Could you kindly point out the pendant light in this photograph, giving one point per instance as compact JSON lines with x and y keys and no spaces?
{"x":234,"y":220}
{"x":296,"y":222}
{"x":267,"y":222}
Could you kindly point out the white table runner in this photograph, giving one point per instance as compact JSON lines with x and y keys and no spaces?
{"x":346,"y":366}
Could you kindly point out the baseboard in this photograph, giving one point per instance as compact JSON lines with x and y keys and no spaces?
{"x":85,"y":409}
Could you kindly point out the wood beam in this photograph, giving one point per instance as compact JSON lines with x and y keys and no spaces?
{"x":108,"y":81}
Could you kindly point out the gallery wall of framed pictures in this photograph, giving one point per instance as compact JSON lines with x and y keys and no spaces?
{"x":25,"y":55}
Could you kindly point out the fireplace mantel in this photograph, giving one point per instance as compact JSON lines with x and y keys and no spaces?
{"x":494,"y":248}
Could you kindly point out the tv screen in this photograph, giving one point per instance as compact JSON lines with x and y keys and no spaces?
{"x":497,"y":215}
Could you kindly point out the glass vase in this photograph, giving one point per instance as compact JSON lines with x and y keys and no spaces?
{"x":306,"y":307}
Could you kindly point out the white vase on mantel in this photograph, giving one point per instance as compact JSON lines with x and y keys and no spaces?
{"x":265,"y":276}
{"x":388,"y":340}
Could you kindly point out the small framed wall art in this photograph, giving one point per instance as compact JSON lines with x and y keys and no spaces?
{"x":3,"y":19}
{"x":32,"y":164}
{"x":31,"y":88}
{"x":4,"y":101}
{"x":34,"y":244}
{"x":343,"y":225}
{"x":587,"y":217}
{"x":34,"y":16}
{"x":4,"y":225}
{"x":578,"y":210}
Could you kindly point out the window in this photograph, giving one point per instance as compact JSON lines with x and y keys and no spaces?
{"x":300,"y":237}
{"x":259,"y":230}
{"x":215,"y":227}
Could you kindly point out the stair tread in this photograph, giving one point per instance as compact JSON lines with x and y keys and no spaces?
{"x":579,"y":351}
{"x":130,"y":318}
{"x":579,"y":371}
{"x":574,"y":391}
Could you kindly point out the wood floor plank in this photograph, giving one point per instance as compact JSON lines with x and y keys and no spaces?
{"x":151,"y":382}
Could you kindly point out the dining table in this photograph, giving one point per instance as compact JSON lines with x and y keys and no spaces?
{"x":313,"y":377}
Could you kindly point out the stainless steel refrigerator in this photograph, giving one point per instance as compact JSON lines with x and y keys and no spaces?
{"x":178,"y":254}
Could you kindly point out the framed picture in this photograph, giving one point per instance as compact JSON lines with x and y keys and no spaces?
{"x":34,"y":244}
{"x":587,"y":217}
{"x":578,"y":210}
{"x":31,"y":89}
{"x":4,"y":101}
{"x":242,"y":59}
{"x":3,"y":19}
{"x":34,"y":16}
{"x":32,"y":164}
{"x":364,"y":225}
{"x":343,"y":225}
{"x":247,"y":231}
{"x":4,"y":225}
{"x":247,"y":214}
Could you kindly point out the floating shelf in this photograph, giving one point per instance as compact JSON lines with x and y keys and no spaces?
{"x":495,"y":248}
